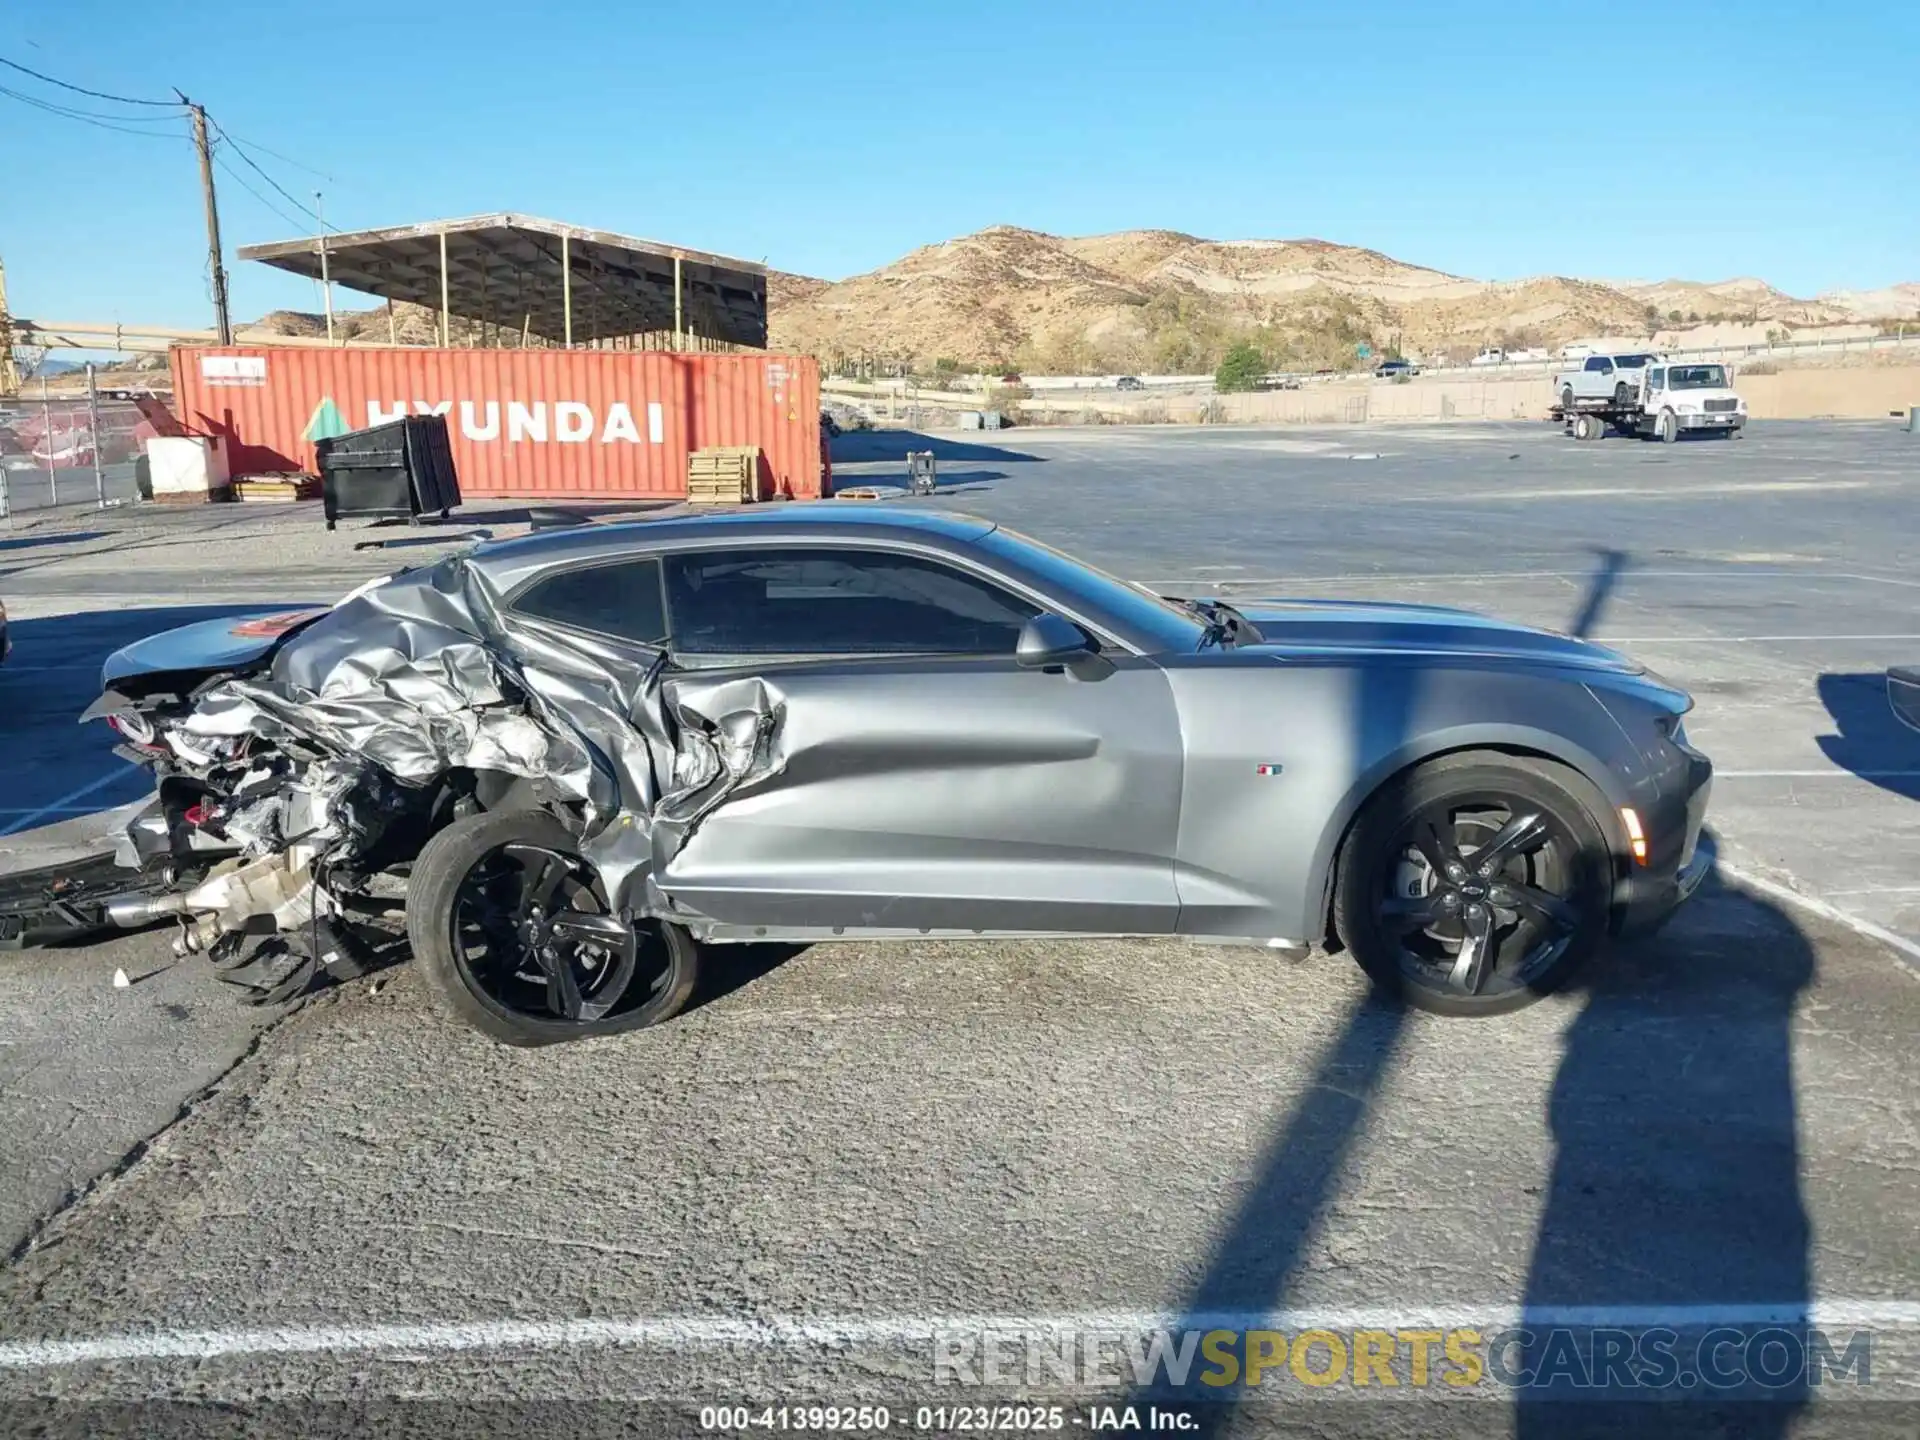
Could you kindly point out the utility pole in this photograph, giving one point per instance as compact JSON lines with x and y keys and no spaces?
{"x":9,"y":372}
{"x":222,"y":322}
{"x":326,"y":282}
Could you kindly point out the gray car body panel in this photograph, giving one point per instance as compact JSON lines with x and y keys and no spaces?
{"x":1189,"y":788}
{"x":951,"y":794}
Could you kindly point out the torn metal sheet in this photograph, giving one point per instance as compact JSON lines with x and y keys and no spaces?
{"x":420,"y":677}
{"x":729,"y":738}
{"x":338,"y":728}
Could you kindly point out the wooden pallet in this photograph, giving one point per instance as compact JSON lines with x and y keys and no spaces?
{"x":276,"y":489}
{"x":724,"y":475}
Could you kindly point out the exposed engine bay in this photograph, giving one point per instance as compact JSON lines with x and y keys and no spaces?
{"x":303,"y":760}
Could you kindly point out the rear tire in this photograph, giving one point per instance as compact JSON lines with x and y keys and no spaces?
{"x":1542,"y":914}
{"x":467,"y":918}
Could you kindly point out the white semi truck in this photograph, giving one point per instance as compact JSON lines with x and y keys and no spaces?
{"x":1647,"y":395}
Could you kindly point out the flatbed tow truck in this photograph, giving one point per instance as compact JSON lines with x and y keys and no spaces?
{"x":1662,"y":402}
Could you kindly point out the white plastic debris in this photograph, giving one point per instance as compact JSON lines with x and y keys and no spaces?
{"x":120,"y":980}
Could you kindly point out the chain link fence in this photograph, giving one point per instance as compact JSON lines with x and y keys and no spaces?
{"x":58,"y":448}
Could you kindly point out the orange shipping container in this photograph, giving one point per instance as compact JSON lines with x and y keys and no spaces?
{"x":525,"y":424}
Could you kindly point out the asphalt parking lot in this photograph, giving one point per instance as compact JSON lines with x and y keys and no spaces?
{"x":790,"y":1193}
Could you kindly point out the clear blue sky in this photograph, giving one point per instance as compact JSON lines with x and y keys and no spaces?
{"x":1774,"y":139}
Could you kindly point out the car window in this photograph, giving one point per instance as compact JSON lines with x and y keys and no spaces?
{"x":622,"y":599}
{"x":1594,"y":362}
{"x":1633,"y":362}
{"x":1656,"y":379}
{"x":836,"y":602}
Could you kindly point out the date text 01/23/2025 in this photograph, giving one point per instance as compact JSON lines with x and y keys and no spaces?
{"x":948,"y":1419}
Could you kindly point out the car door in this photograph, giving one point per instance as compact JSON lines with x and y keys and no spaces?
{"x":912,"y":776}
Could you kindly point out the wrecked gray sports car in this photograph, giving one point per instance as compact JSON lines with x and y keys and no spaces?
{"x":580,"y":758}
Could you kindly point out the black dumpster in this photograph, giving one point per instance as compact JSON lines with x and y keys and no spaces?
{"x":401,"y":469}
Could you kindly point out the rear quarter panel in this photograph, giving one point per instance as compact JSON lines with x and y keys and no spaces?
{"x":1256,"y":846}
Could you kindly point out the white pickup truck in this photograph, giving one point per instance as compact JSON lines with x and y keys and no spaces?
{"x":1602,"y":377}
{"x":1661,"y":398}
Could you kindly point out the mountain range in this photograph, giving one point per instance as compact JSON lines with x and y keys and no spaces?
{"x":1167,"y":302}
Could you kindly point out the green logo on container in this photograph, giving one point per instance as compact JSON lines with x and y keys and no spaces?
{"x":325,"y":423}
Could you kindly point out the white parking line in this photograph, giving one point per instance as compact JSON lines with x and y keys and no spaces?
{"x":1734,"y":572}
{"x":1786,"y":894}
{"x":1494,"y":577}
{"x":1656,"y":492}
{"x":691,"y":1332}
{"x":1816,"y":774}
{"x":1733,"y":639}
{"x":65,"y":803}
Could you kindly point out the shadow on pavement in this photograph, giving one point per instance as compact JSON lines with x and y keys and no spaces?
{"x":1869,"y":740}
{"x":859,"y":446}
{"x":52,"y":537}
{"x":727,"y":968}
{"x":1675,"y":1187}
{"x":1613,"y":564}
{"x":1668,"y":1292}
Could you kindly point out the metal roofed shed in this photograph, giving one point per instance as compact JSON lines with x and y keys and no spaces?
{"x":534,"y":277}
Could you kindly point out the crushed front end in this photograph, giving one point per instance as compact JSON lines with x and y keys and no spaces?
{"x":302,"y":761}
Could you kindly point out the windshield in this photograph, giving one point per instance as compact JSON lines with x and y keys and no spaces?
{"x":1697,"y":377}
{"x":1138,"y":605}
{"x":1632,"y":362}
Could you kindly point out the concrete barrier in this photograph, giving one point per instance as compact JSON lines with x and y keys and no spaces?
{"x":1855,"y":393}
{"x":1868,"y":393}
{"x":1864,"y":393}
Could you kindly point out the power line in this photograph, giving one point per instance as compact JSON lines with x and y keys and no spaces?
{"x":79,"y":114}
{"x":82,"y":90}
{"x":241,"y":181}
{"x":86,"y":117}
{"x":299,"y":205}
{"x":240,"y":143}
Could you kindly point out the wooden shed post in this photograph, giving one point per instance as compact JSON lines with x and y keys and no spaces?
{"x":445,"y":304}
{"x":566,"y":290}
{"x":679,"y":337}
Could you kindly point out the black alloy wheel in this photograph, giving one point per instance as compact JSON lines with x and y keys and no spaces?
{"x":531,"y":930}
{"x":515,"y":931}
{"x":1476,"y":888}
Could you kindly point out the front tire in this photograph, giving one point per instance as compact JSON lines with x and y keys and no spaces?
{"x":1669,"y":427}
{"x":517,"y":939}
{"x":1474,"y":884}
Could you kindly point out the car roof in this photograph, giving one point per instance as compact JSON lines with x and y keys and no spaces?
{"x":507,"y":562}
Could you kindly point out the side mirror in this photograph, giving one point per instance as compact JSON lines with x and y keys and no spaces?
{"x":1053,"y":642}
{"x":1903,"y":693}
